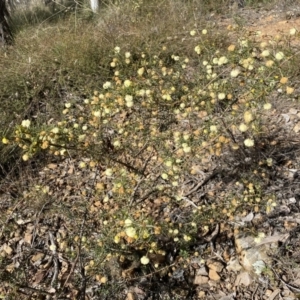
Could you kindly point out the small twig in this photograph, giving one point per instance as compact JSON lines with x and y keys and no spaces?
{"x":289,"y":286}
{"x":55,"y":259}
{"x":133,"y":194}
{"x":72,"y":269}
{"x":189,"y":201}
{"x":37,"y":221}
{"x":7,"y":219}
{"x":32,"y":289}
{"x":137,"y":171}
{"x":141,"y":150}
{"x":228,"y":130}
{"x":204,"y":182}
{"x":81,"y":294}
{"x":140,"y":180}
{"x":148,"y":275}
{"x":254,"y":292}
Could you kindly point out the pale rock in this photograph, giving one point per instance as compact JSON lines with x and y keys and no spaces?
{"x":201,"y":294}
{"x":10,"y":268}
{"x":274,"y":294}
{"x":243,"y":278}
{"x":229,"y":297}
{"x":234,"y":265}
{"x":213,"y":275}
{"x":202,"y":271}
{"x":249,"y":252}
{"x":200,"y":280}
{"x":130,"y":296}
{"x":7,"y":249}
{"x":215,"y":265}
{"x":268,"y":293}
{"x":28,"y":238}
{"x":297,"y":127}
{"x":293,"y":111}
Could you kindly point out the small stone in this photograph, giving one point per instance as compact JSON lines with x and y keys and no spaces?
{"x":268,"y":293}
{"x":200,"y":280}
{"x":274,"y":294}
{"x":202,"y":271}
{"x":215,"y":265}
{"x":243,"y":278}
{"x":250,"y":251}
{"x":229,"y":297}
{"x":293,"y":111}
{"x":201,"y":294}
{"x":9,"y":268}
{"x":38,"y":256}
{"x":130,"y":296}
{"x":233,"y":265}
{"x":297,"y":127}
{"x":213,"y":275}
{"x":7,"y":249}
{"x":28,"y":238}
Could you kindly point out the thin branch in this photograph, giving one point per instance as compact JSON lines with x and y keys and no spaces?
{"x":55,"y":260}
{"x":290,"y":287}
{"x":140,"y":180}
{"x":204,"y":182}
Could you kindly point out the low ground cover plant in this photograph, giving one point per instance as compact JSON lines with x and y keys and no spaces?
{"x":140,"y":148}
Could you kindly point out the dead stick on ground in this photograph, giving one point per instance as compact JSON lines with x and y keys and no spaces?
{"x":297,"y":289}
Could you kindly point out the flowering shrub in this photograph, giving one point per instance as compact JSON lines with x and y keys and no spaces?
{"x":154,"y":120}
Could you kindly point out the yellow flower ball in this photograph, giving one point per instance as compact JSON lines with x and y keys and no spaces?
{"x":248,"y":117}
{"x":222,"y":60}
{"x":284,"y":80}
{"x":193,"y":32}
{"x":293,"y":31}
{"x":235,"y":73}
{"x":221,"y":96}
{"x":269,"y":63}
{"x":128,"y":98}
{"x":279,"y":55}
{"x":130,"y":232}
{"x":103,"y":279}
{"x":243,"y":127}
{"x":289,"y":90}
{"x":82,"y":165}
{"x":168,"y":163}
{"x":5,"y":141}
{"x":198,"y":49}
{"x":141,"y":71}
{"x":127,"y":222}
{"x":25,"y":123}
{"x":108,"y":172}
{"x":127,"y":83}
{"x":231,"y":48}
{"x":25,"y":157}
{"x":265,"y":53}
{"x":145,"y":260}
{"x":213,"y":128}
{"x":117,"y":239}
{"x":106,"y":85}
{"x":55,"y":130}
{"x":249,"y":142}
{"x":267,"y":106}
{"x":164,"y":176}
